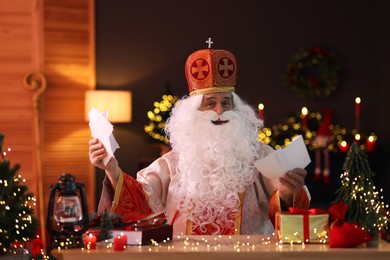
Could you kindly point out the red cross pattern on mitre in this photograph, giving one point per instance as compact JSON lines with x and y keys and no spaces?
{"x":211,"y":70}
{"x":225,"y":67}
{"x":200,"y":69}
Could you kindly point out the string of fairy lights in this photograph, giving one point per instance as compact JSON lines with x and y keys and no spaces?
{"x":373,"y":202}
{"x":158,"y":116}
{"x":306,"y":123}
{"x":218,"y":243}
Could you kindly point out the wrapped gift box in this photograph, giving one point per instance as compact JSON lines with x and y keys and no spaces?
{"x":302,"y":226}
{"x":145,"y":236}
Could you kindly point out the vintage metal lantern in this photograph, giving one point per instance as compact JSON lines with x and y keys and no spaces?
{"x":67,"y":216}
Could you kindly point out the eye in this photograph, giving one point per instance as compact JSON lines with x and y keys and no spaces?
{"x":226,"y":104}
{"x":210,"y":104}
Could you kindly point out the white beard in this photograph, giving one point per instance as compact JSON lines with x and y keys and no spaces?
{"x":215,"y":161}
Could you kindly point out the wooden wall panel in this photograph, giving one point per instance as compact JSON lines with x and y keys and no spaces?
{"x":57,"y":38}
{"x":17,"y":43}
{"x":69,"y":65}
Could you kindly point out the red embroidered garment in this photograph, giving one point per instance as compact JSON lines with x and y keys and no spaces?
{"x":130,"y":201}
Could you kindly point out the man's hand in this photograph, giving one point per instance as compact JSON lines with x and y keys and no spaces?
{"x":291,"y":183}
{"x":97,"y":152}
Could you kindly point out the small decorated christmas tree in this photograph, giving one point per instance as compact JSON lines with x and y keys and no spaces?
{"x":365,"y":206}
{"x":17,"y":221}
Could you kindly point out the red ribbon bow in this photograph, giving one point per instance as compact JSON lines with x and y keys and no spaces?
{"x":313,"y":211}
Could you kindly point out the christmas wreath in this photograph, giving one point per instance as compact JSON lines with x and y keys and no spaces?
{"x":313,"y":73}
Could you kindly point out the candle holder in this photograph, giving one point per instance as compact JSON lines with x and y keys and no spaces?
{"x":67,"y":218}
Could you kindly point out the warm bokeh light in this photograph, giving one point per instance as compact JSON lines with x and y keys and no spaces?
{"x":116,"y":102}
{"x":304,"y":111}
{"x":358,"y":100}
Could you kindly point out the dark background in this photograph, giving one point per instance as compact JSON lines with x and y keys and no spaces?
{"x":143,"y":45}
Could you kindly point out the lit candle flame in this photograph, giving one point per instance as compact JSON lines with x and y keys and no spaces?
{"x":304,"y":111}
{"x":358,"y":100}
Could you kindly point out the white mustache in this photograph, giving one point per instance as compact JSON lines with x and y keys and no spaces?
{"x":226,"y":116}
{"x":213,"y":116}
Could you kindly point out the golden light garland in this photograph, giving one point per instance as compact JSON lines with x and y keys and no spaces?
{"x":158,"y":116}
{"x":280,"y":135}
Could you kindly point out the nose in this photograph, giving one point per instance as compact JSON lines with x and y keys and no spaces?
{"x":219,"y":109}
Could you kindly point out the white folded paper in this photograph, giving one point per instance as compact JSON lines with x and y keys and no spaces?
{"x":101,"y":129}
{"x":276,"y":164}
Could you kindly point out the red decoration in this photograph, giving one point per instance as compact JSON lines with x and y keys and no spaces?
{"x":36,"y":247}
{"x":90,"y":241}
{"x":357,"y":107}
{"x":304,"y":117}
{"x":120,"y":242}
{"x":357,"y":113}
{"x":343,"y":234}
{"x":344,"y":147}
{"x":261,"y":111}
{"x":370,"y":144}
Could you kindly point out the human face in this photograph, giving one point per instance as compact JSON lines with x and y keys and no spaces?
{"x":217,"y":102}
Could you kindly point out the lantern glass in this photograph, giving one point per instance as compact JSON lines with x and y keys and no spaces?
{"x":67,"y":209}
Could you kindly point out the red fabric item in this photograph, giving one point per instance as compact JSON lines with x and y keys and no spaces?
{"x":343,"y":234}
{"x":338,"y":211}
{"x":312,"y":211}
{"x":134,"y":202}
{"x":36,"y":247}
{"x":323,"y":129}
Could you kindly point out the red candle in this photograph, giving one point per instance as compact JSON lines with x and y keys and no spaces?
{"x":357,"y":112}
{"x":370,"y":144}
{"x":357,"y":107}
{"x":343,"y":146}
{"x":124,"y":237}
{"x":90,"y":241}
{"x":120,"y":242}
{"x":304,"y":112}
{"x":261,"y":111}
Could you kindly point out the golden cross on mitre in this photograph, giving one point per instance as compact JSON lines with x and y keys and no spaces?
{"x":209,"y":42}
